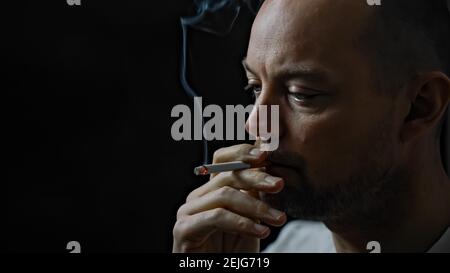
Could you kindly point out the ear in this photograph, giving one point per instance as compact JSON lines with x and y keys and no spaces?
{"x":429,"y":95}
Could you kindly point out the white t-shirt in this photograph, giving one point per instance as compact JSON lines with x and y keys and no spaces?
{"x":314,"y":237}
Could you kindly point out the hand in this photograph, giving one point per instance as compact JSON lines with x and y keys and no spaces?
{"x":225,"y":214}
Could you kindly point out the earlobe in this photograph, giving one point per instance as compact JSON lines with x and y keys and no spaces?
{"x":429,"y":95}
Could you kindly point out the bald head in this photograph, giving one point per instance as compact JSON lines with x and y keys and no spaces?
{"x":304,"y":27}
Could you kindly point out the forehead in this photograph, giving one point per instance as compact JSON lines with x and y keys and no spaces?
{"x":319,"y":31}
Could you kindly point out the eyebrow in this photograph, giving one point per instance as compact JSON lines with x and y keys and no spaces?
{"x":296,"y":71}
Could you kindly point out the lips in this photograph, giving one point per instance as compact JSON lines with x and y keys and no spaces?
{"x":277,"y":158}
{"x":279,"y":170}
{"x":276,"y":163}
{"x":286,"y":165}
{"x":288,"y":174}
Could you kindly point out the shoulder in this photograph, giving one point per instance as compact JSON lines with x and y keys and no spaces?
{"x":443,"y":244}
{"x":303,"y":236}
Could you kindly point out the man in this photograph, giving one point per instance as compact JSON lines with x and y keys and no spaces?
{"x":362,"y":92}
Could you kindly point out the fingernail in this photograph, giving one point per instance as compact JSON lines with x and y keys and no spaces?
{"x":260,"y":228}
{"x":255,"y":152}
{"x":275,"y":214}
{"x":272,"y":179}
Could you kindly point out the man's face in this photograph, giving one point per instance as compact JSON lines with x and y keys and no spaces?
{"x":338,"y":134}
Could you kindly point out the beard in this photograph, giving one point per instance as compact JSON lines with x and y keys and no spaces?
{"x":363,"y":196}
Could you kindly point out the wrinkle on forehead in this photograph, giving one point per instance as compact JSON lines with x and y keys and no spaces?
{"x":314,"y":31}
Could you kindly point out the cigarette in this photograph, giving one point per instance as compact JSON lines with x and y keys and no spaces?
{"x":221,"y":167}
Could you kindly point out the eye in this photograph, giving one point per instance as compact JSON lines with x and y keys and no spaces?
{"x":254,"y":88}
{"x":301,"y":94}
{"x":298,"y":97}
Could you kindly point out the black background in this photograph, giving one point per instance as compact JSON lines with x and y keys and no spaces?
{"x":90,"y":91}
{"x":89,"y":154}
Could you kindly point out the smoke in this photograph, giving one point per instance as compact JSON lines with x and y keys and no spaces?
{"x":216,"y":17}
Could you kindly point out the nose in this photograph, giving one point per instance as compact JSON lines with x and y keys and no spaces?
{"x":259,"y":123}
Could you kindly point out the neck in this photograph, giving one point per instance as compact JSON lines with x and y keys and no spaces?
{"x":413,"y":222}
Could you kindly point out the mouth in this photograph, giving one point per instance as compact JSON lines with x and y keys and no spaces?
{"x":288,"y":173}
{"x":283,"y":168}
{"x":283,"y":171}
{"x":276,"y":162}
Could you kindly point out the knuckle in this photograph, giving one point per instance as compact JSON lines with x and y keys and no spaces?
{"x":224,"y":176}
{"x":225,"y":192}
{"x":179,"y":229}
{"x":245,"y":148}
{"x":242,"y":224}
{"x":215,"y":214}
{"x":254,"y":176}
{"x":189,"y":197}
{"x":217,"y":155}
{"x":259,"y":176}
{"x":192,"y":195}
{"x":242,"y":153}
{"x":261,"y":207}
{"x":231,"y":178}
{"x":181,"y":211}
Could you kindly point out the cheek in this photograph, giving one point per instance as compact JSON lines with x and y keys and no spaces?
{"x":322,"y":133}
{"x":332,"y":145}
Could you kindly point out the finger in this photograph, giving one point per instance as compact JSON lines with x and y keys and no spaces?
{"x":250,"y":154}
{"x":244,"y":152}
{"x":252,"y":179}
{"x":237,"y":202}
{"x":198,"y":227}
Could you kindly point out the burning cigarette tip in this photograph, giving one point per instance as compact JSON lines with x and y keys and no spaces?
{"x":201,"y":170}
